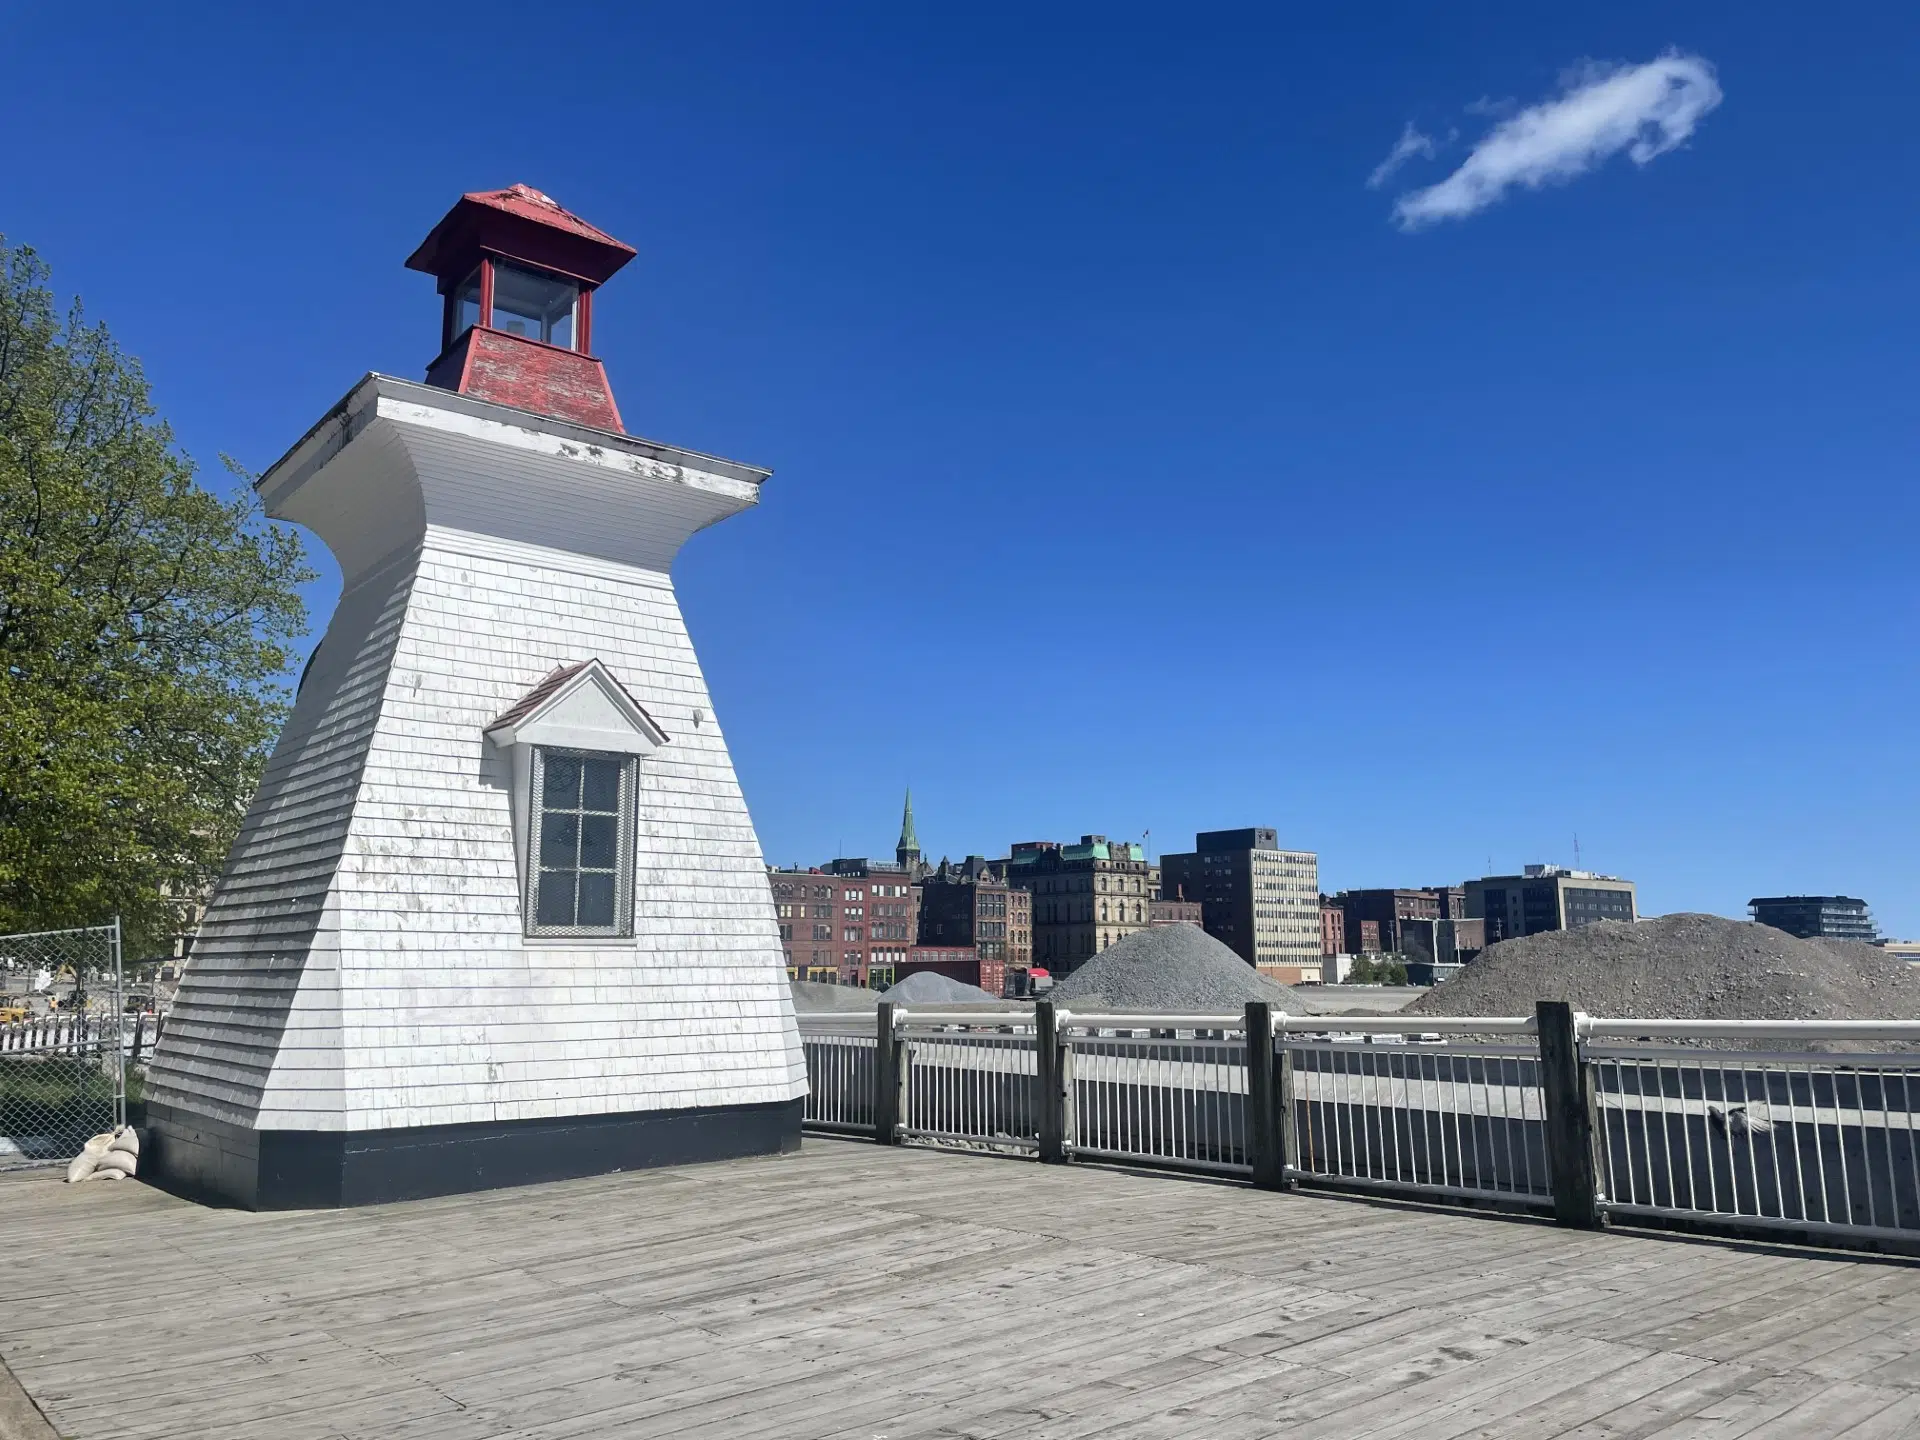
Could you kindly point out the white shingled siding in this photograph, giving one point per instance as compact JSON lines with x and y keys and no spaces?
{"x":267,"y":928}
{"x":419,"y":1001}
{"x":447,"y":1014}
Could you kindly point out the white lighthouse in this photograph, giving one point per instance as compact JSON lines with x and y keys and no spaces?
{"x":497,"y":913}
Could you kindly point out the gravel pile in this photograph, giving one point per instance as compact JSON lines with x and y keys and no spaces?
{"x":1683,"y":967}
{"x":811,"y":997}
{"x":1178,"y":969}
{"x":925,"y":987}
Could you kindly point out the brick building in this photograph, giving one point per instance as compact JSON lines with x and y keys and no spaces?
{"x":957,"y":962}
{"x":849,"y":922}
{"x":1333,"y":928}
{"x":1084,"y":896}
{"x":1381,"y":912}
{"x":972,"y":904}
{"x":1259,"y":900}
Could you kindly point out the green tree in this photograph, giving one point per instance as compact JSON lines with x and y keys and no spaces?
{"x":1377,"y":970}
{"x":145,"y":634}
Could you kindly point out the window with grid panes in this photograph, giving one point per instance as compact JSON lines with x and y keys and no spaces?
{"x":580,"y":881}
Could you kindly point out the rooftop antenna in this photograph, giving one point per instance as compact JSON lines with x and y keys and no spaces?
{"x":1576,"y":849}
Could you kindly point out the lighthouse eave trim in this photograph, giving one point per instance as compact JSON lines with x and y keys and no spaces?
{"x":395,"y":458}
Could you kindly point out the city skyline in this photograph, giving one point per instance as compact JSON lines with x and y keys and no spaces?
{"x":1431,"y":522}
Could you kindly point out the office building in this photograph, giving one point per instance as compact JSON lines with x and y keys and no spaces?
{"x":1084,"y":896}
{"x":1547,"y":897}
{"x":1259,"y":900}
{"x":1815,"y":917}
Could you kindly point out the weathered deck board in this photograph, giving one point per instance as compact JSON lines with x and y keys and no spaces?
{"x":856,"y":1292}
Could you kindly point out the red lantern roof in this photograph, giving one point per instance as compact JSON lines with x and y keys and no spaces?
{"x":519,"y":223}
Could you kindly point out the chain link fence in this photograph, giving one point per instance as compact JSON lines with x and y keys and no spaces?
{"x":63,"y":1073}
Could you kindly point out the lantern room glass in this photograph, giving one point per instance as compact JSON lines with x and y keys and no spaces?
{"x":539,"y":307}
{"x":466,"y":307}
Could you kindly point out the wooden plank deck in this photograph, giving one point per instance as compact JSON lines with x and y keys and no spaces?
{"x":856,"y":1292}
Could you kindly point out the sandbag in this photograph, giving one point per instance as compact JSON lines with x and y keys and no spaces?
{"x":127,"y":1139}
{"x":117,"y":1160}
{"x":82,"y":1165}
{"x":109,"y":1175}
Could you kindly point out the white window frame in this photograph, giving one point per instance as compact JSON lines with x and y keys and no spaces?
{"x":623,"y":867}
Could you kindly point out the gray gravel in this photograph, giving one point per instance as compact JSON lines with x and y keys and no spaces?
{"x":811,"y":997}
{"x":928,"y":988}
{"x":1178,"y":969}
{"x":1683,"y":967}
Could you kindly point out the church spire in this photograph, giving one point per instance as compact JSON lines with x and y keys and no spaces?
{"x":907,"y":852}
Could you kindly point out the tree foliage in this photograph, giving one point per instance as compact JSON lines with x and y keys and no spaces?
{"x":145,"y":631}
{"x":1377,"y":970}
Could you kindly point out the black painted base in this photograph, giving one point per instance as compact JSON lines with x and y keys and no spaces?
{"x":311,"y":1169}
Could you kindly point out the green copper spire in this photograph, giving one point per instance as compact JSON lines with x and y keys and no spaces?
{"x":908,"y":850}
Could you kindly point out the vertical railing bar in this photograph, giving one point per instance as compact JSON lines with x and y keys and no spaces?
{"x":1342,"y":1116}
{"x":1452,"y":1111}
{"x":1753,"y":1167}
{"x":1686,"y":1139}
{"x":1840,"y":1144}
{"x":1606,"y":1133}
{"x":1437,"y":1131}
{"x":1393,"y":1110}
{"x":1799,"y":1171}
{"x":1773,"y":1144}
{"x":1913,"y":1160}
{"x":1819,"y":1152}
{"x":1886,"y":1146}
{"x":1733,"y":1154}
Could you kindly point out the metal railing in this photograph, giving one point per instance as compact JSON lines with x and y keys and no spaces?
{"x":968,"y":1081}
{"x":1823,"y":1144}
{"x":63,"y":1075}
{"x":1589,"y":1118}
{"x":1164,"y":1089}
{"x":840,"y":1052}
{"x":1464,"y":1119}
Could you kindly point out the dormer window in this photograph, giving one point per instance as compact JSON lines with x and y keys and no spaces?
{"x":575,"y":744}
{"x":581,"y":869}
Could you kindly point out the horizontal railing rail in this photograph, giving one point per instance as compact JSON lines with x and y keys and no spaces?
{"x":1741,"y":1126}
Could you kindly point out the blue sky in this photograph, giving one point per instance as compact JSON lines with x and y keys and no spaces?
{"x":1135,"y":470}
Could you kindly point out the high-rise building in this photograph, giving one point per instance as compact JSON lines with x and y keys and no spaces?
{"x":1547,"y":897}
{"x":1084,"y":896}
{"x":1815,"y":917}
{"x":1259,"y":900}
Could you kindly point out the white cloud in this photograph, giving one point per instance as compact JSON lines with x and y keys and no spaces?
{"x":1410,"y":144}
{"x":1645,"y":110}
